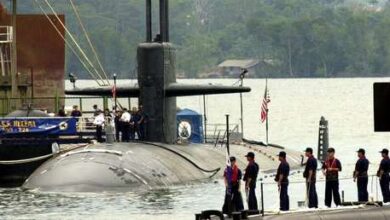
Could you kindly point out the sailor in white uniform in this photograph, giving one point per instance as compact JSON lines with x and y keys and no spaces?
{"x":125,"y":119}
{"x":99,"y":123}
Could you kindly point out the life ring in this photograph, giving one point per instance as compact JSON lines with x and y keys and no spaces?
{"x":184,"y":130}
{"x":63,"y":126}
{"x":209,"y":213}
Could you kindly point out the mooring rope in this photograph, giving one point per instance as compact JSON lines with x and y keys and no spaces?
{"x":88,"y":38}
{"x":67,"y":43}
{"x":29,"y":160}
{"x":75,"y":42}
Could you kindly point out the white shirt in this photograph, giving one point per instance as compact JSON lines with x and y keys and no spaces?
{"x":99,"y":120}
{"x":126,"y":117}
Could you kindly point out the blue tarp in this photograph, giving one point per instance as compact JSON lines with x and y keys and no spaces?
{"x":38,"y":126}
{"x":190,"y":126}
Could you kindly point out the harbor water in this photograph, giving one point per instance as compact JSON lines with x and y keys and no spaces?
{"x":295,"y":109}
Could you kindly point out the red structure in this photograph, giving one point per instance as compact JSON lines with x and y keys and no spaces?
{"x":40,"y":59}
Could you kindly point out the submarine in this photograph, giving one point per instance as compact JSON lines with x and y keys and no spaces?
{"x":157,"y":161}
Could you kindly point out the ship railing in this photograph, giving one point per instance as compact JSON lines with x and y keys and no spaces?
{"x":269,"y":192}
{"x":216,"y":133}
{"x":54,"y":103}
{"x":85,"y":123}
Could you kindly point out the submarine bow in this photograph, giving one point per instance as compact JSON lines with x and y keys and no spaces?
{"x":124,"y":167}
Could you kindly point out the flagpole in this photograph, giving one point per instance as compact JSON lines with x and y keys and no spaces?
{"x":115,"y":99}
{"x":266,"y":119}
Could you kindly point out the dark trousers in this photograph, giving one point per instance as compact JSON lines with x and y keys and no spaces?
{"x":99,"y":131}
{"x":384,"y":182}
{"x":233,"y":201}
{"x":142,"y":131}
{"x":133,"y":130}
{"x":332,"y":187}
{"x":283,"y":197}
{"x":362,"y":183}
{"x":252,"y":200}
{"x":117,"y":131}
{"x":312,"y":195}
{"x":126,"y":132}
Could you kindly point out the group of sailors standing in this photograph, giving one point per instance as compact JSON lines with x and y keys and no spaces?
{"x":330,"y":168}
{"x":128,"y":125}
{"x":232,"y":177}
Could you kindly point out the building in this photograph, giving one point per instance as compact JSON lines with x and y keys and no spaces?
{"x":233,"y":68}
{"x":32,"y":61}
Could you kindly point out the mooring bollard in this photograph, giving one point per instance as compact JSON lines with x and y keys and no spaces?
{"x":244,"y":214}
{"x":323,"y":139}
{"x":236,"y":215}
{"x":198,"y":216}
{"x":207,"y":214}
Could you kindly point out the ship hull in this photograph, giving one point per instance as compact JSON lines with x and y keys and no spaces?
{"x":14,"y":171}
{"x":141,"y":165}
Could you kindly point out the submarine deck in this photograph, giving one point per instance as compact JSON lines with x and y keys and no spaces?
{"x":266,"y":156}
{"x":127,"y":166}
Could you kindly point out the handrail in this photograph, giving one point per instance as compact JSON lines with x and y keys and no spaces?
{"x":29,"y":160}
{"x":103,"y":151}
{"x":318,"y":180}
{"x":53,"y":103}
{"x":215,"y":134}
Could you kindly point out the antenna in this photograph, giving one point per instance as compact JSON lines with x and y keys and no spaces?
{"x":164,"y":21}
{"x":148,"y":20}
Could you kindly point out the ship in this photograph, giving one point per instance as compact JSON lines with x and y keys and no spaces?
{"x":32,"y":59}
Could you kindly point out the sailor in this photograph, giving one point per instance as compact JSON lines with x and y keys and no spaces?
{"x":99,"y":123}
{"x":250,"y":177}
{"x":233,"y":198}
{"x":76,"y":112}
{"x":142,"y":122}
{"x":310,"y":175}
{"x":383,"y":174}
{"x":62,"y":112}
{"x":96,"y":110}
{"x":134,"y":126}
{"x":282,"y":179}
{"x":125,"y":120}
{"x":331,"y":168}
{"x":107,"y":113}
{"x":360,"y":175}
{"x":118,"y":125}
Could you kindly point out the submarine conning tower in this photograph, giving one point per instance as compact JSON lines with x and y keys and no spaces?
{"x":156,"y":71}
{"x":157,"y":88}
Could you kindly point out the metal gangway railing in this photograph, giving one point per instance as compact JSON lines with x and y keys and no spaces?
{"x":268,"y":192}
{"x":216,"y":133}
{"x":54,"y":103}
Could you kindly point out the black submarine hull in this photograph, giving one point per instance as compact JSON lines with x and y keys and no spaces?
{"x":142,"y":165}
{"x":13,"y":170}
{"x":125,"y":167}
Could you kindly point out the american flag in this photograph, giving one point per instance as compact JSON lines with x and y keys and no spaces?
{"x":113,"y":90}
{"x":264,"y":105}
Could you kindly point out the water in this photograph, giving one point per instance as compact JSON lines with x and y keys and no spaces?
{"x":295,"y":109}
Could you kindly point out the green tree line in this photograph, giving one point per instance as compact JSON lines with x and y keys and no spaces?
{"x":297,"y":38}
